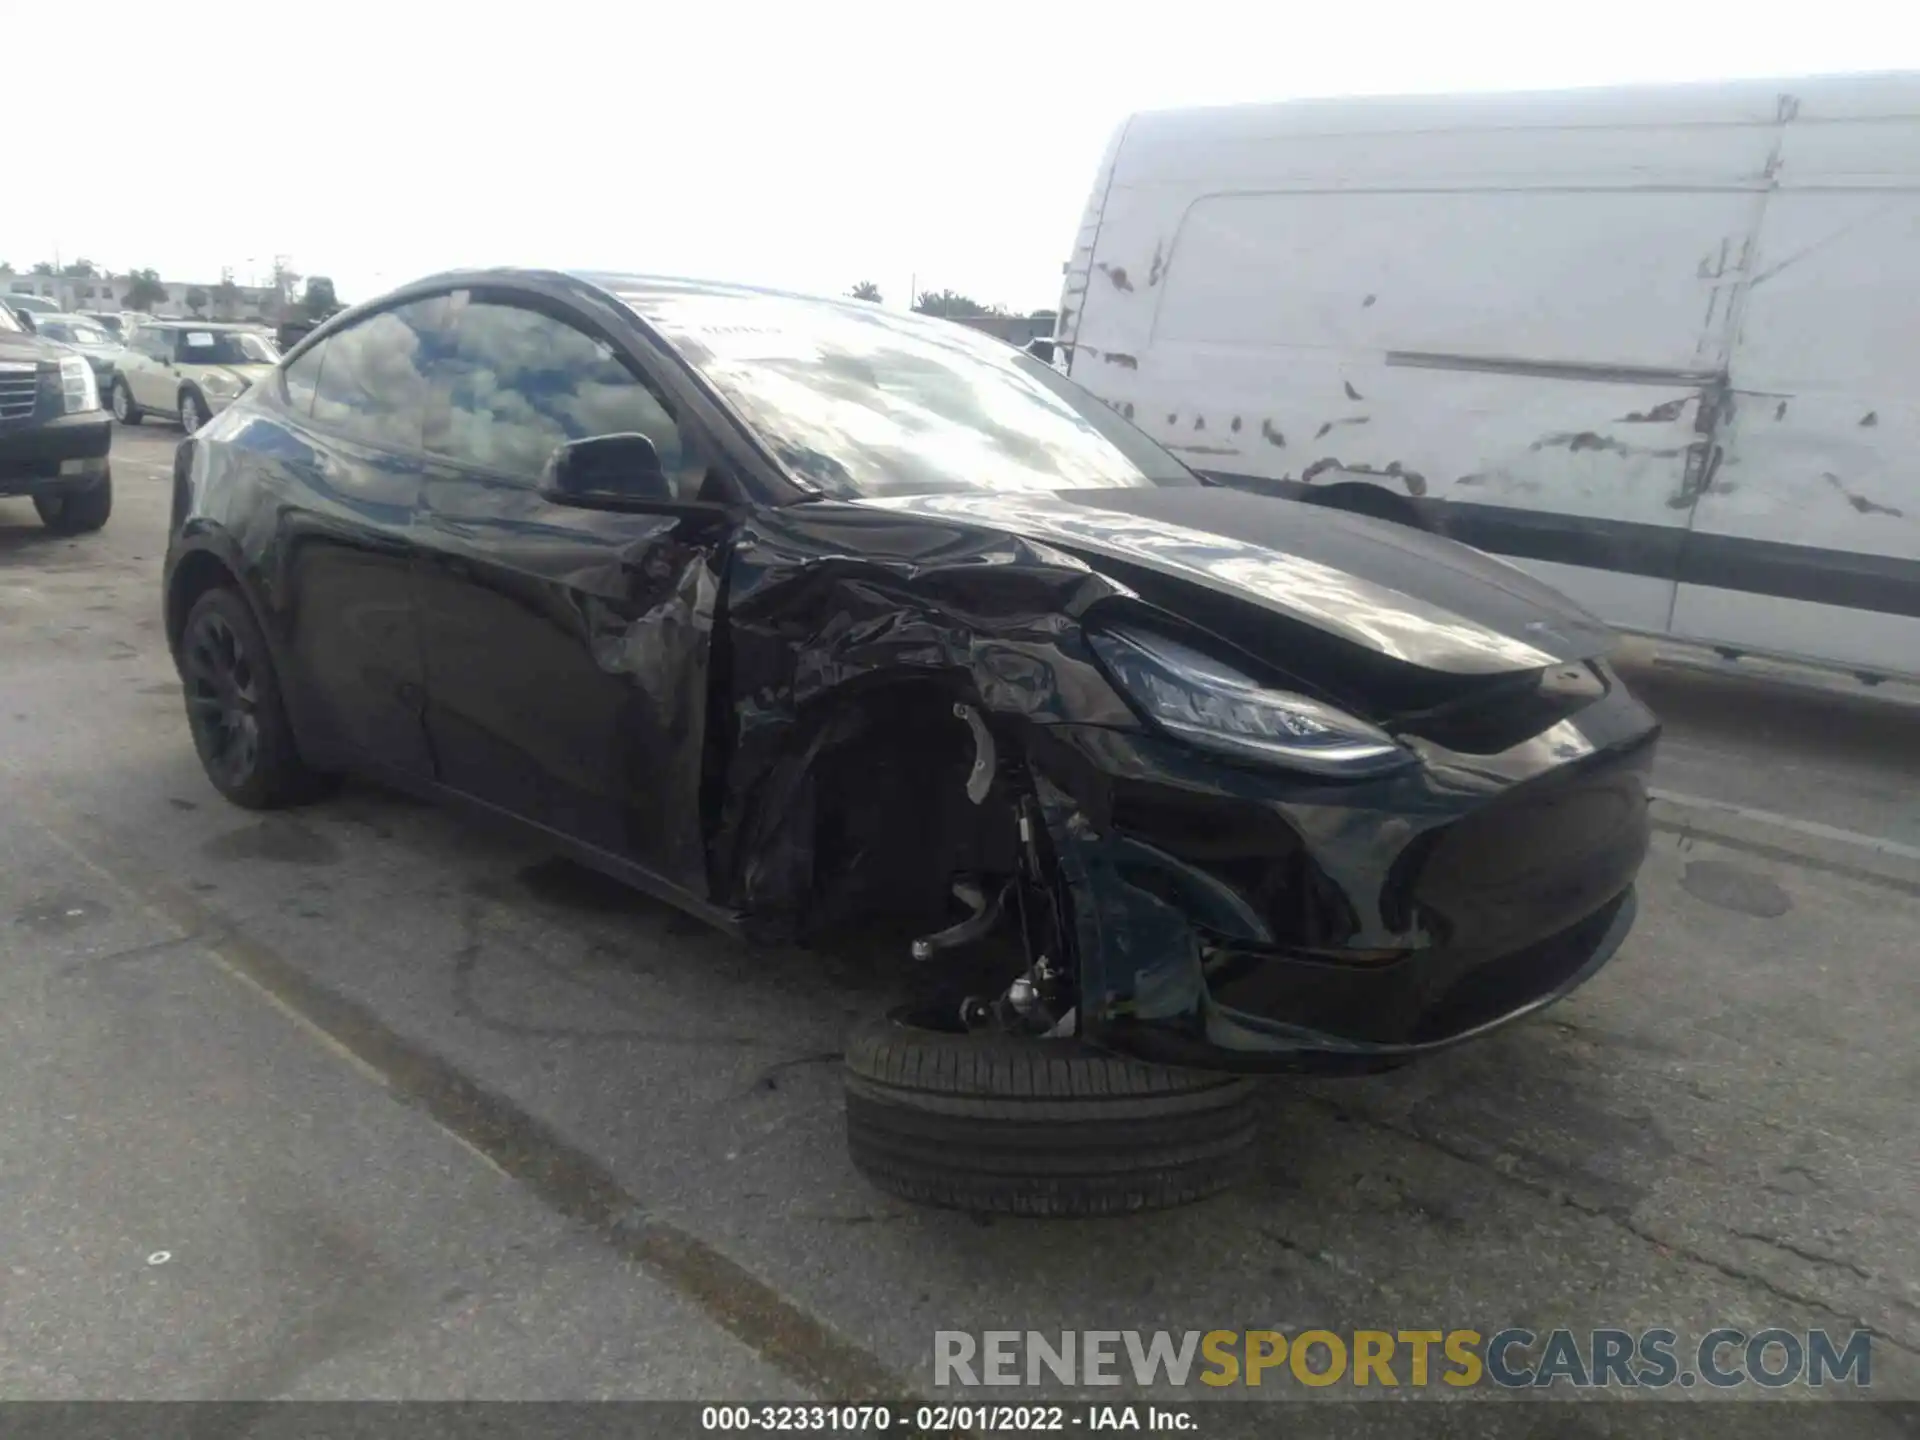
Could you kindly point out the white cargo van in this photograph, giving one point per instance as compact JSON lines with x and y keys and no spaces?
{"x":1660,"y":346}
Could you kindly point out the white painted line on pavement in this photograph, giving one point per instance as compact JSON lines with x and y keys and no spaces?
{"x":1811,"y":828}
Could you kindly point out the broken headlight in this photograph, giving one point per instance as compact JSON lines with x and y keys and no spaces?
{"x":1201,"y":699}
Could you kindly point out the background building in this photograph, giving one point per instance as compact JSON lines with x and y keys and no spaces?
{"x":241,"y":302}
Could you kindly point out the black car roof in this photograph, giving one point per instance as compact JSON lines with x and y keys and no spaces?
{"x":630,"y":288}
{"x":637,"y":290}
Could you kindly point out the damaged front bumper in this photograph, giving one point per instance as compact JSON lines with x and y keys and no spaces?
{"x":1230,"y":918}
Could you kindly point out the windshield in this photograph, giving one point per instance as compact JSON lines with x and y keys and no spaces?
{"x":72,"y":334}
{"x":861,"y":401}
{"x":225,"y":347}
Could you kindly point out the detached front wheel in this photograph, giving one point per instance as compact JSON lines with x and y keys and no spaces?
{"x":1000,"y":1124}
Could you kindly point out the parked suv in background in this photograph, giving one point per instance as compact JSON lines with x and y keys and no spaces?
{"x":54,"y":436}
{"x":38,"y":304}
{"x":189,"y":370}
{"x":87,"y":336}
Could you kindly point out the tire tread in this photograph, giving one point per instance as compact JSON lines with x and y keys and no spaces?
{"x":996,"y":1124}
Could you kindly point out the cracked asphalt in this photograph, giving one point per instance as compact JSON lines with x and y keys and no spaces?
{"x":362,"y":1101}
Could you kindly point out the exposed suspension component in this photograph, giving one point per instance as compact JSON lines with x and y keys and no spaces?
{"x":1039,"y":999}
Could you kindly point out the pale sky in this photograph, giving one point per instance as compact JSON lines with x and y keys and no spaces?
{"x":808,"y":145}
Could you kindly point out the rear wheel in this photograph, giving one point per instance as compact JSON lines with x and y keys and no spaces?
{"x":193,"y":411}
{"x":124,"y":410}
{"x":996,"y":1123}
{"x":234,"y":707}
{"x":74,"y":512}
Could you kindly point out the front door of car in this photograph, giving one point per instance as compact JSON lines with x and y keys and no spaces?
{"x":337,"y":474}
{"x":567,"y":647}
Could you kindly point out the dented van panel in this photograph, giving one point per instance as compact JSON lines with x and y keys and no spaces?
{"x":1651,"y":344}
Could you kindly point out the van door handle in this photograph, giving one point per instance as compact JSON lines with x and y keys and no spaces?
{"x":1704,"y":454}
{"x":1703,"y":463}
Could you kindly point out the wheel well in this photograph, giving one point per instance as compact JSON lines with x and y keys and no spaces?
{"x":892,"y":821}
{"x":198,"y":573}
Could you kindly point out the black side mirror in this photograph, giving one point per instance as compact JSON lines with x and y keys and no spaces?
{"x":1041,"y":350}
{"x":606,"y":472}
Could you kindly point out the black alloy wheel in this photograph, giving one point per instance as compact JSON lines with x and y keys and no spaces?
{"x":239,"y":725}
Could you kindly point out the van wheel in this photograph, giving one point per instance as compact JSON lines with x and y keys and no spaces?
{"x":193,"y":411}
{"x":234,"y":707}
{"x":124,"y":410}
{"x":994,"y":1123}
{"x":75,"y":512}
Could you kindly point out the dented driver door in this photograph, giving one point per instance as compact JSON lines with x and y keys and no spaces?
{"x":567,"y":649}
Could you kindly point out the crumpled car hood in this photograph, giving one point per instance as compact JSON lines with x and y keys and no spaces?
{"x":1417,"y":598}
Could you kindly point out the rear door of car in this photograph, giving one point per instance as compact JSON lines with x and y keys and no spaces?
{"x":567,"y":649}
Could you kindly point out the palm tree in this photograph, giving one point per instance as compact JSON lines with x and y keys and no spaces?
{"x":866,"y":290}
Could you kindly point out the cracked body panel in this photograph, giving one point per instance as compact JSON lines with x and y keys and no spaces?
{"x":1221,"y":916}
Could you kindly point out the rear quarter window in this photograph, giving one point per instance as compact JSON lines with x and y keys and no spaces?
{"x":299,"y":380}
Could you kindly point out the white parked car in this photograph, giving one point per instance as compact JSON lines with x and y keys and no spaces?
{"x":189,"y":370}
{"x":1657,"y":346}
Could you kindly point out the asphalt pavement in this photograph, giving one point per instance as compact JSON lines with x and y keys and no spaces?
{"x":363,"y":1101}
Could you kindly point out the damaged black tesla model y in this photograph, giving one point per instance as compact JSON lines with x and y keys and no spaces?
{"x":808,"y":616}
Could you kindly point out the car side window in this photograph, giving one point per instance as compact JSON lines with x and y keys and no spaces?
{"x":155,"y":344}
{"x":371,"y":382}
{"x":299,"y":380}
{"x":517,"y":383}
